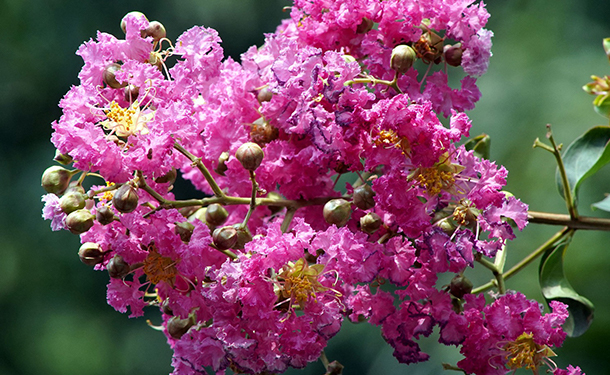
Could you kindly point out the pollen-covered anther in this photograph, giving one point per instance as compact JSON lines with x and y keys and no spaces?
{"x":300,"y":281}
{"x":158,"y":268}
{"x":126,"y":121}
{"x":524,"y":352}
{"x":465,"y":214}
{"x":435,"y":180}
{"x":389,"y":138}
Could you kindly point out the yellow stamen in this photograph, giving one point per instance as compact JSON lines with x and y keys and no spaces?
{"x":126,"y":121}
{"x":159,"y":268}
{"x":300,"y":281}
{"x":524,"y":352}
{"x":389,"y":138}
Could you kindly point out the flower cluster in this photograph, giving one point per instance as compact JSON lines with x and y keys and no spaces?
{"x":258,"y":273}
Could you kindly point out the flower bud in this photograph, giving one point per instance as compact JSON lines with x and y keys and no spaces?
{"x":334,"y":368}
{"x":277,"y":196}
{"x":168,"y":177}
{"x":109,"y":76}
{"x":125,"y":199}
{"x":402,"y":58}
{"x":117,"y":267}
{"x":215,"y":215}
{"x":104,"y":215}
{"x":165,"y":308}
{"x":198,"y":215}
{"x":91,"y":253}
{"x":225,"y":238}
{"x":156,"y":30}
{"x":63,"y":159}
{"x":460,"y":286}
{"x":131,"y":93}
{"x":133,"y":13}
{"x":221,"y":168}
{"x":184,"y":230}
{"x":250,"y":155}
{"x":243,"y":237}
{"x":453,"y":54}
{"x":365,"y":26}
{"x":370,"y":222}
{"x":55,"y":179}
{"x":72,"y":201}
{"x":177,"y":327}
{"x":80,"y":221}
{"x":337,"y":211}
{"x":264,"y":95}
{"x":363,"y":197}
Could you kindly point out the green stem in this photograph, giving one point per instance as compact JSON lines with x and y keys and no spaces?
{"x":252,"y":199}
{"x":288,"y":218}
{"x":496,"y":272}
{"x":527,"y":260}
{"x":581,"y":222}
{"x":202,"y":168}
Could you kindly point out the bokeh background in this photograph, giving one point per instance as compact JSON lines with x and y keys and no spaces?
{"x":53,"y":314}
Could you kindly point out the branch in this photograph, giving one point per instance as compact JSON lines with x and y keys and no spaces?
{"x":581,"y":222}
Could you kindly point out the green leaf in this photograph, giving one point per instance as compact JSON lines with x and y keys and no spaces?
{"x":602,"y":205}
{"x":555,"y":287}
{"x":481,"y":145}
{"x":584,"y":157}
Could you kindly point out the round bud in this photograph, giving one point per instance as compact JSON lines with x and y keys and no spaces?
{"x":446,"y":226}
{"x":134,"y":13}
{"x":156,"y":30}
{"x":80,"y":221}
{"x":63,"y":159}
{"x":131,"y":93}
{"x":243,"y":237}
{"x":216,"y":215}
{"x":250,"y":155}
{"x":221,"y":168}
{"x":104,"y":215}
{"x":91,"y":253}
{"x":117,"y":267}
{"x":337,"y":211}
{"x":370,"y":222}
{"x":264,"y":95}
{"x":184,"y":230}
{"x":72,"y":201}
{"x":110,"y":78}
{"x":177,"y":327}
{"x":334,"y":368}
{"x":363,"y":197}
{"x":365,"y":26}
{"x":165,"y":308}
{"x":453,"y":54}
{"x":168,"y":177}
{"x":198,"y":215}
{"x":402,"y":58}
{"x":276,"y":196}
{"x":55,"y":179}
{"x":125,"y":199}
{"x":460,"y":286}
{"x":225,"y":238}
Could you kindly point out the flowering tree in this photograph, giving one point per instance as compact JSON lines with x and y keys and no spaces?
{"x":257,"y":273}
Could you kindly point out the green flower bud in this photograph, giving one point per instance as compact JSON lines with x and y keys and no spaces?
{"x":104,"y":215}
{"x":402,"y":58}
{"x":337,"y":211}
{"x":221,"y":168}
{"x":184,"y":230}
{"x":91,"y":253}
{"x":117,"y":267}
{"x":80,"y":221}
{"x":264,"y":95}
{"x":365,"y":26}
{"x":135,"y":13}
{"x":198,"y":215}
{"x":55,"y":179}
{"x":165,"y":307}
{"x":334,"y":368}
{"x":72,"y":201}
{"x":63,"y":159}
{"x":225,"y":238}
{"x":363,"y":197}
{"x":243,"y":237}
{"x":370,"y":222}
{"x":168,"y":177}
{"x":109,"y":76}
{"x":131,"y":93}
{"x":274,"y":195}
{"x":460,"y":286}
{"x":177,"y":327}
{"x":453,"y":54}
{"x":215,"y":215}
{"x":250,"y":155}
{"x":156,"y":30}
{"x":125,"y":199}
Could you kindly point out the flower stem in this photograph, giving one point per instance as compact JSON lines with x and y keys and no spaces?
{"x":496,"y":272}
{"x":252,"y":199}
{"x":202,"y":168}
{"x":580,"y":222}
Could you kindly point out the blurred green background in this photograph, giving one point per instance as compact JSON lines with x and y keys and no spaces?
{"x":53,"y":315}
